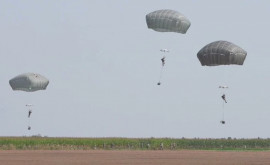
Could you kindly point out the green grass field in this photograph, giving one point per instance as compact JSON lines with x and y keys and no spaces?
{"x":46,"y":143}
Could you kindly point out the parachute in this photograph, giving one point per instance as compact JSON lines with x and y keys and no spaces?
{"x":221,"y":53}
{"x":29,"y":82}
{"x":167,"y":21}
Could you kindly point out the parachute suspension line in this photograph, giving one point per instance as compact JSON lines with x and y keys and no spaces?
{"x":160,"y":75}
{"x":223,"y":108}
{"x":163,"y":59}
{"x":29,"y":112}
{"x":223,"y":97}
{"x":29,"y":122}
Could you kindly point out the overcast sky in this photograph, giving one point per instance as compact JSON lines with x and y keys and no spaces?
{"x":103,"y":64}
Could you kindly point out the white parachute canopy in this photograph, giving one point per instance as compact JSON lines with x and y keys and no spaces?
{"x":29,"y":82}
{"x":167,"y":21}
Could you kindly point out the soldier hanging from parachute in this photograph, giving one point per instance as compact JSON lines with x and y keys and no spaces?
{"x":163,"y":60}
{"x":223,"y":97}
{"x":29,"y":113}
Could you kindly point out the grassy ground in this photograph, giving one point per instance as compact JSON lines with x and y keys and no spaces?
{"x":46,"y":143}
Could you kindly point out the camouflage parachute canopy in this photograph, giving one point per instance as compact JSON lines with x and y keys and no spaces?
{"x":29,"y":82}
{"x":221,"y":53}
{"x":167,"y":21}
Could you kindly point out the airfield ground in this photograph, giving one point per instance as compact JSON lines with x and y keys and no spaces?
{"x":133,"y":157}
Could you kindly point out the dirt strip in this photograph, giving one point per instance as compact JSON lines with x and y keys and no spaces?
{"x":104,"y":157}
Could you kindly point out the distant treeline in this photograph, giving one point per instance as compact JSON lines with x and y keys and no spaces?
{"x":48,"y":143}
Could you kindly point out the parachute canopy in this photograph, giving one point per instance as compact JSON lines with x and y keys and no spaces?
{"x":29,"y":82}
{"x":221,"y":53}
{"x":167,"y":21}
